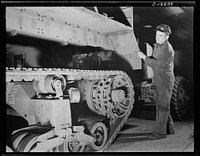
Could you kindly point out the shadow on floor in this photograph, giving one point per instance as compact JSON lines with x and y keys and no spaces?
{"x":128,"y":126}
{"x":131,"y":138}
{"x":124,"y":135}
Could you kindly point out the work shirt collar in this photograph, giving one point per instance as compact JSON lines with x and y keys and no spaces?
{"x":161,"y":45}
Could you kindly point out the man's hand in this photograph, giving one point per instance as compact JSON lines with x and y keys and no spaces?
{"x":141,"y":55}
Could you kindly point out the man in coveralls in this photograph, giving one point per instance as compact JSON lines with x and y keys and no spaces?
{"x":162,"y":64}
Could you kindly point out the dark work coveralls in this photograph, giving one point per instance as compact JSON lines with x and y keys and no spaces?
{"x":162,"y":65}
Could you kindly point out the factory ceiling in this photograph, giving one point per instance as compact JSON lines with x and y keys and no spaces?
{"x":180,"y":20}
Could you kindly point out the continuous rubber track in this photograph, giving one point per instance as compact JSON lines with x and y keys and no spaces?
{"x":32,"y":74}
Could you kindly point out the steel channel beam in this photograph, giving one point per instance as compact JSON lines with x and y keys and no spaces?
{"x":37,"y":25}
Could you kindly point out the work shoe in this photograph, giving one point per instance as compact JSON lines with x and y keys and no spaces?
{"x":156,"y":136}
{"x":170,"y":130}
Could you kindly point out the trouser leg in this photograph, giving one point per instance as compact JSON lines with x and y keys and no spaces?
{"x":162,"y":119}
{"x":158,"y":97}
{"x":170,"y":123}
{"x":157,"y":117}
{"x":163,"y":109}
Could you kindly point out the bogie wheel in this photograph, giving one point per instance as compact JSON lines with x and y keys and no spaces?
{"x":180,"y":101}
{"x":99,"y":131}
{"x":28,"y":143}
{"x":17,"y":137}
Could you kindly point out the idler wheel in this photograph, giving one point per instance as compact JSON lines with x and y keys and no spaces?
{"x":99,"y":131}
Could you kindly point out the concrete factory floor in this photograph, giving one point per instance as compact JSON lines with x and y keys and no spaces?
{"x":132,"y":137}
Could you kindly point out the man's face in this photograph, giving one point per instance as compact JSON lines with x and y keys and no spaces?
{"x":161,"y":37}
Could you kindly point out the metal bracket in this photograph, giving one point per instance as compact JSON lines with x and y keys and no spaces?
{"x":11,"y":95}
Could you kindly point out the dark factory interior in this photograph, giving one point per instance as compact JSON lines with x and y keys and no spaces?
{"x":43,"y":53}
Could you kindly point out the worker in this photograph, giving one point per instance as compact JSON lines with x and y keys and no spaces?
{"x":162,"y":63}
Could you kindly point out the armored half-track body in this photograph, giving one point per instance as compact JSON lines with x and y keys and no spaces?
{"x":68,"y":110}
